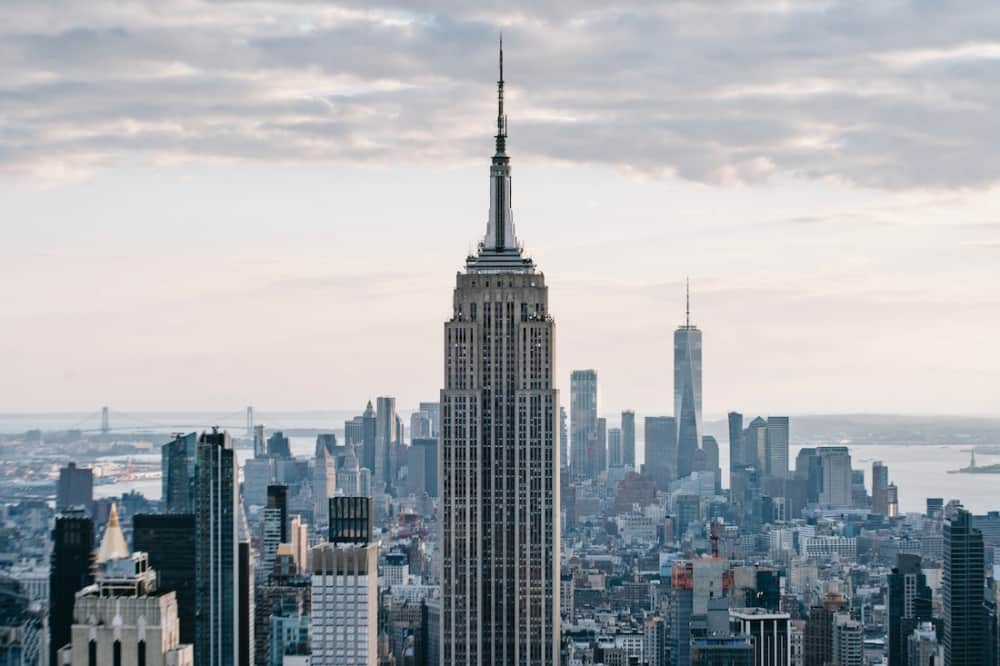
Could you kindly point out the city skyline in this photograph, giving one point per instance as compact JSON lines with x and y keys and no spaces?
{"x":811,"y":254}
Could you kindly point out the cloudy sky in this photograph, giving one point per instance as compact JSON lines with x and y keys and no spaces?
{"x":205,"y":205}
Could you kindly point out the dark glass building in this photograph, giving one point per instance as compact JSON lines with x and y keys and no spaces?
{"x":964,"y":584}
{"x":909,"y":605}
{"x":72,"y":570}
{"x":722,"y":651}
{"x":76,"y":487}
{"x":216,"y":552}
{"x":350,"y":520}
{"x":178,"y":465}
{"x":169,"y":541}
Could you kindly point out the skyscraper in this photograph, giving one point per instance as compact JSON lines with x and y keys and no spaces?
{"x":735,"y":443}
{"x":583,"y":422}
{"x":499,"y":451}
{"x":177,"y":458}
{"x":563,"y":438}
{"x":661,"y":450}
{"x":345,"y":588}
{"x":386,"y":429}
{"x":687,"y":392}
{"x":601,"y":459}
{"x":628,"y":438}
{"x":275,"y":528}
{"x":75,"y":487}
{"x":880,"y":488}
{"x":777,"y":447}
{"x":72,"y":570}
{"x":909,"y":600}
{"x":169,"y":540}
{"x":216,"y":552}
{"x":964,"y":585}
{"x":836,"y":477}
{"x":324,"y":484}
{"x":615,"y":447}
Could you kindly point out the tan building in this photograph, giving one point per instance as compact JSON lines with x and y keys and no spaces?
{"x":122,"y":620}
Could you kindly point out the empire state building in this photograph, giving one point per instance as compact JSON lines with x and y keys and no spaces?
{"x":499,"y":465}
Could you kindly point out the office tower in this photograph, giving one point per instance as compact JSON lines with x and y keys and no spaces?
{"x":769,"y":632}
{"x":258,"y":474}
{"x":661,"y":450}
{"x":217,"y":583}
{"x":278,"y":446}
{"x":327,"y":441}
{"x":695,"y":585}
{"x":809,"y":468}
{"x":423,"y":464}
{"x":349,"y":473}
{"x":615,"y":457}
{"x":499,"y":448}
{"x":563,"y":439}
{"x":848,"y":641}
{"x":722,"y":650}
{"x":420,"y":425}
{"x":281,"y":611}
{"x":113,"y":546}
{"x":124,"y":619}
{"x":892,"y":500}
{"x":735,"y":420}
{"x":345,"y":588}
{"x":836,"y":480}
{"x":859,"y":494}
{"x":755,"y":444}
{"x":880,"y":488}
{"x":169,"y":541}
{"x":298,"y":536}
{"x":259,"y":443}
{"x":245,"y":597}
{"x":909,"y":604}
{"x":687,"y":392}
{"x":583,"y":423}
{"x":963,"y":592}
{"x":777,"y":436}
{"x":710,"y":459}
{"x":177,"y":459}
{"x":324,"y":485}
{"x":275,"y":528}
{"x":935,"y":507}
{"x":75,"y":487}
{"x":601,"y":459}
{"x":369,"y":427}
{"x":353,"y":431}
{"x":72,"y":570}
{"x":21,"y":625}
{"x":628,"y":438}
{"x":433,"y":411}
{"x":818,"y":639}
{"x":386,"y":435}
{"x":654,"y":641}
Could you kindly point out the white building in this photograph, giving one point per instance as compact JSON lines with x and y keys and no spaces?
{"x":345,"y":589}
{"x":818,"y":547}
{"x":836,"y":463}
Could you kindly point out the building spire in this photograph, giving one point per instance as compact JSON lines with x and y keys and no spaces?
{"x":687,"y":298}
{"x":501,"y":118}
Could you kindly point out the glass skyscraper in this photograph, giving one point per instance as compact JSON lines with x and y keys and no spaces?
{"x":216,"y":552}
{"x":687,"y":393}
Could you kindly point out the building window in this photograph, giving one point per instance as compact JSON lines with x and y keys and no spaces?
{"x":141,"y":653}
{"x":116,"y":654}
{"x":92,"y":654}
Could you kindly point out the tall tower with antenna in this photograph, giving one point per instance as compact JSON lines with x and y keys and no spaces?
{"x":499,"y":451}
{"x":687,"y":389}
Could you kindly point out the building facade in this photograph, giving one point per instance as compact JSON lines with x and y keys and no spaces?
{"x":499,"y":452}
{"x":687,"y":393}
